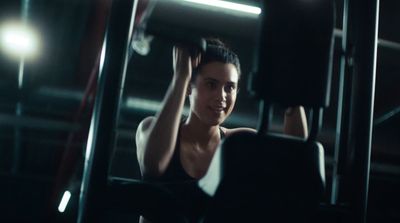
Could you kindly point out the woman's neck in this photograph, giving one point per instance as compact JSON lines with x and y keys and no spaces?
{"x":196,"y":131}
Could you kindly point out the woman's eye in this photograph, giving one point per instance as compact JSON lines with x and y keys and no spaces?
{"x":229,"y":88}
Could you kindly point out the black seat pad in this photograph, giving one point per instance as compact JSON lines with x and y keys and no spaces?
{"x":272,"y":177}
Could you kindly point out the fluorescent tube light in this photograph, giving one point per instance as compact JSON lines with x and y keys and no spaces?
{"x":64,"y":201}
{"x":228,"y":5}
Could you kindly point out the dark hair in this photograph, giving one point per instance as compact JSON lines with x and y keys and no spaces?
{"x":217,"y":51}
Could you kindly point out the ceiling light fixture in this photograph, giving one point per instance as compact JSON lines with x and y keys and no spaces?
{"x":228,"y":5}
{"x":18,"y":39}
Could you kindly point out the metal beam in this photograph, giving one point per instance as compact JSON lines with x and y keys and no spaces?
{"x":363,"y":36}
{"x":37,"y":123}
{"x":384,"y":43}
{"x":105,"y":115}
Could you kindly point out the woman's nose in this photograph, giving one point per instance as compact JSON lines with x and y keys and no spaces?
{"x":221,"y":94}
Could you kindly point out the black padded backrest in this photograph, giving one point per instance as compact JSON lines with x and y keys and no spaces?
{"x":277,"y":178}
{"x":155,"y":202}
{"x":159,"y":202}
{"x":270,"y":178}
{"x":295,"y":51}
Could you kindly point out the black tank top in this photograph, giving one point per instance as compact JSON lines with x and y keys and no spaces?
{"x":183,"y":186}
{"x":175,"y":170}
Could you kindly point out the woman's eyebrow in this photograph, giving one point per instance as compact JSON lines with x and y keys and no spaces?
{"x":217,"y":81}
{"x":211,"y":79}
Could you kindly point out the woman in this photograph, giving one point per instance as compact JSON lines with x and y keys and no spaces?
{"x":170,"y":149}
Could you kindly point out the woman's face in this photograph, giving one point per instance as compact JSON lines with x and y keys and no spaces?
{"x":213,"y":93}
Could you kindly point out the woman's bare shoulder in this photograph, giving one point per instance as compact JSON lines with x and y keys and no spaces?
{"x":146,"y":122}
{"x":143,"y":126}
{"x":229,"y":132}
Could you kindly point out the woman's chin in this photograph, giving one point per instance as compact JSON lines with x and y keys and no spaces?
{"x":216,"y":120}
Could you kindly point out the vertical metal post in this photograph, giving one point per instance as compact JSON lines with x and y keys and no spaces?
{"x":363,"y":16}
{"x":102,"y":128}
{"x":19,"y":108}
{"x":343,"y":108}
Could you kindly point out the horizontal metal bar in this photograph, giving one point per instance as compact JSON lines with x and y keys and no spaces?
{"x":388,"y":44}
{"x":387,"y":116}
{"x":376,"y":167}
{"x":37,"y":123}
{"x":381,"y":42}
{"x":57,"y":143}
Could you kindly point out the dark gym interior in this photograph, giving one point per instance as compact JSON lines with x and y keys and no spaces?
{"x":46,"y":104}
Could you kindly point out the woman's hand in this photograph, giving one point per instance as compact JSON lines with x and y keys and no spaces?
{"x":184,"y":61}
{"x":295,"y":122}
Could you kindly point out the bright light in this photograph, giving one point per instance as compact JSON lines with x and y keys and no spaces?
{"x":228,"y":5}
{"x":18,"y":39}
{"x":64,"y":201}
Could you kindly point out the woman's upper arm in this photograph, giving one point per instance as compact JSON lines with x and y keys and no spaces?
{"x":229,"y":132}
{"x":141,"y":137}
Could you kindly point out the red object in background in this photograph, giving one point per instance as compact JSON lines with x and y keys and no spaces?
{"x":88,"y":69}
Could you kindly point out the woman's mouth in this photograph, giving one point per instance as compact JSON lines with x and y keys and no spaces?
{"x":218,"y":109}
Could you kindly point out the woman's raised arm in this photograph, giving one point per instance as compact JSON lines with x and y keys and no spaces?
{"x":156,"y":137}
